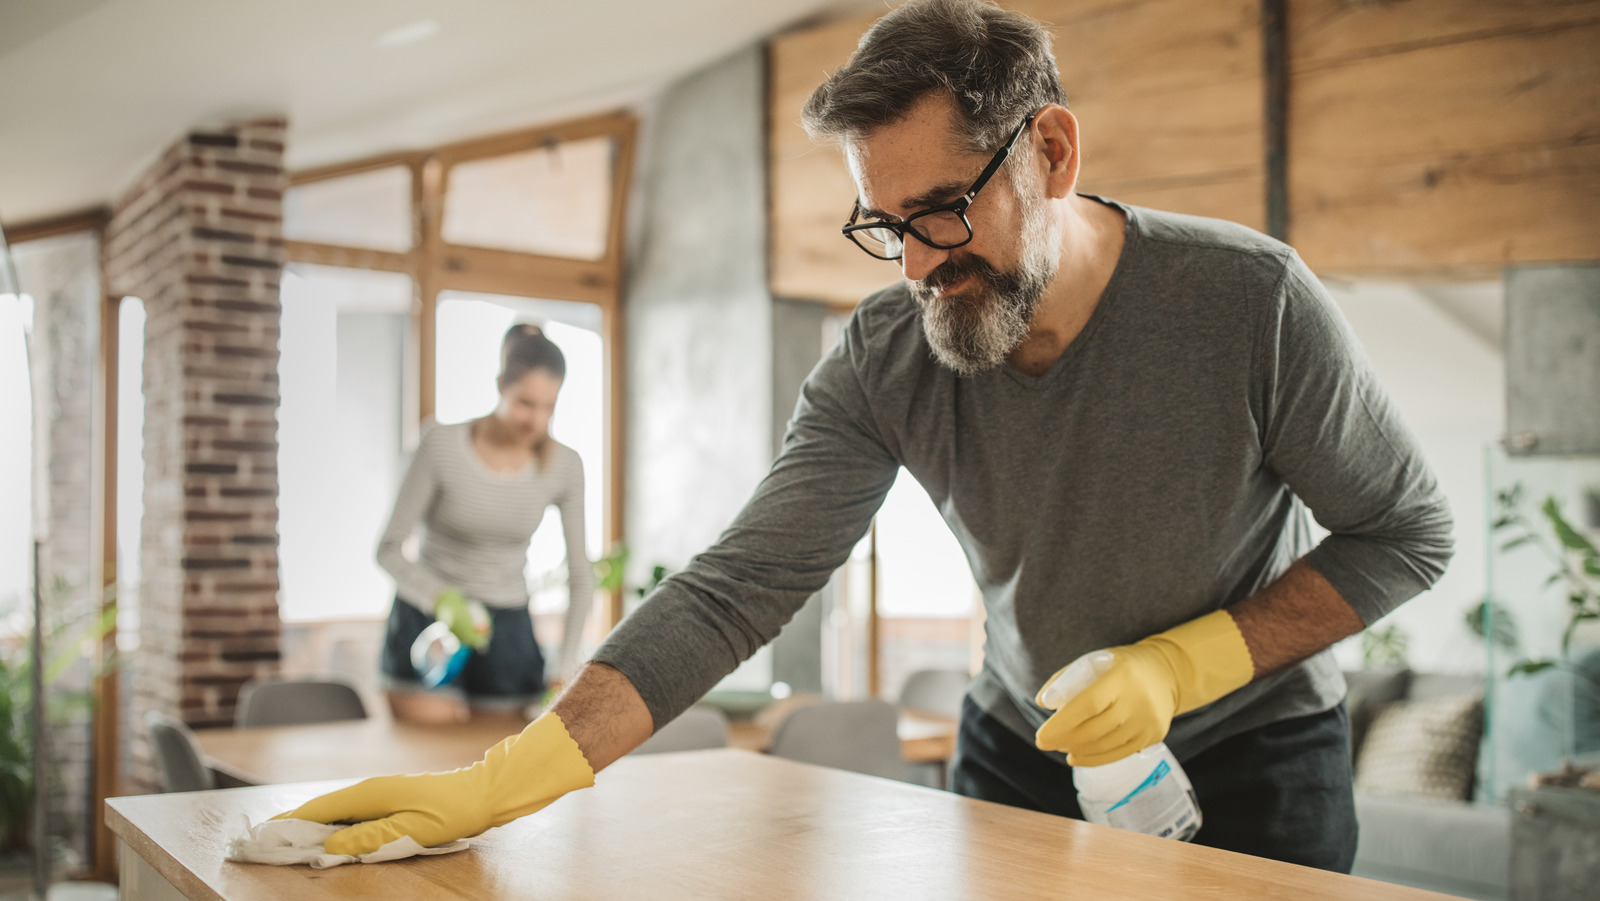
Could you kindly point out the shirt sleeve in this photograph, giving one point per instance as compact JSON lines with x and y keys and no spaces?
{"x":414,"y":583}
{"x":802,"y":522}
{"x":1331,"y":433}
{"x":580,"y":571}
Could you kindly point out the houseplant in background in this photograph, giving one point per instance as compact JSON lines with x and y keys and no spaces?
{"x":77,"y":637}
{"x":1574,"y":558}
{"x":1384,"y":647}
{"x":1549,"y":707}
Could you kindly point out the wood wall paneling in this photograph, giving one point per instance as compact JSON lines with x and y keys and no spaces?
{"x":1450,"y":135}
{"x":1168,"y":97}
{"x":811,"y":190}
{"x":1168,"y":93}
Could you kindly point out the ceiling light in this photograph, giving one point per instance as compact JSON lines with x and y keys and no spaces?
{"x":409,"y":33}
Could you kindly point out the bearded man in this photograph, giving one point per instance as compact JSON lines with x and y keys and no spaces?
{"x":1122,"y":414}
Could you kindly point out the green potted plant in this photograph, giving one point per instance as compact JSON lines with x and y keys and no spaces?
{"x":1575,"y":565}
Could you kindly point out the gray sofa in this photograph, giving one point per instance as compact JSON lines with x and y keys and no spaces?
{"x":1457,"y":847}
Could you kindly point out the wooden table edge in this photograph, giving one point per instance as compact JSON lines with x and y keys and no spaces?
{"x":184,"y":880}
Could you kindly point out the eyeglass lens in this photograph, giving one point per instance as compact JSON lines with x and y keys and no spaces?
{"x":942,"y":229}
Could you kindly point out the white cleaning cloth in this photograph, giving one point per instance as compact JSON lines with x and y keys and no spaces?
{"x":285,"y":842}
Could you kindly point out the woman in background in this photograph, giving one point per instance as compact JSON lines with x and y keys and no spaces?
{"x":480,"y":489}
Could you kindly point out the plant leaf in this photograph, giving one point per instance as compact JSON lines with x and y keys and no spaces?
{"x":1529,"y":667}
{"x":1515,"y":543}
{"x":1570,"y":537}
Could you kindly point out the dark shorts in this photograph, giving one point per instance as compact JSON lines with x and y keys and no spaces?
{"x":510,"y":670}
{"x":1281,"y":791}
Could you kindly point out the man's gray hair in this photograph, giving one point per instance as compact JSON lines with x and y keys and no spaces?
{"x":996,"y":66}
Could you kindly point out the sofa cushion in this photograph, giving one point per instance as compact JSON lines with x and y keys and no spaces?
{"x":1448,"y":846}
{"x":1432,"y":686}
{"x":1366,"y":692}
{"x":1422,"y":748}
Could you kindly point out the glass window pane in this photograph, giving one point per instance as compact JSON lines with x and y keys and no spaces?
{"x":130,"y":467}
{"x":371,"y":210}
{"x":922,"y":571}
{"x":16,"y":461}
{"x":470,"y":328}
{"x":926,"y":593}
{"x":554,"y":201}
{"x":340,"y":423}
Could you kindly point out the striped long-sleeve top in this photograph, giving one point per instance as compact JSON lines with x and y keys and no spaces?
{"x":477,"y":524}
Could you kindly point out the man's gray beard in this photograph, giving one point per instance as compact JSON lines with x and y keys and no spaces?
{"x":975,"y":333}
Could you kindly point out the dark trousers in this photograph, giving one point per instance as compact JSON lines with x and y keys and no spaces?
{"x":1281,"y":791}
{"x":511,"y":668}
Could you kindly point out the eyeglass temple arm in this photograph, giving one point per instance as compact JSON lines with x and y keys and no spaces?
{"x":994,"y":164}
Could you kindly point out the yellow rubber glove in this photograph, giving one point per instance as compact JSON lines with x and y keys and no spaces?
{"x":519,"y":776}
{"x":1131,"y":705}
{"x":468,"y":619}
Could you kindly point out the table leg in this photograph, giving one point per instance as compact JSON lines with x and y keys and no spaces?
{"x":140,"y":881}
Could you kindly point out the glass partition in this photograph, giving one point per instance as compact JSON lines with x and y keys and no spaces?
{"x":1543,"y":694}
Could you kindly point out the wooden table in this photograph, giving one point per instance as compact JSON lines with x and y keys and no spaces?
{"x":354,"y":749}
{"x":350,"y":749}
{"x":721,"y":824}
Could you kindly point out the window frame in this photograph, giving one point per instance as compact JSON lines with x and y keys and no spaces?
{"x":436,"y":265}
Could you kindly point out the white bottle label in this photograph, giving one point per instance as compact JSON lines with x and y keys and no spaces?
{"x":1160,"y":806}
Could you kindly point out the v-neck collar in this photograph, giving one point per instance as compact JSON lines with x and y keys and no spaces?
{"x":1108,"y":296}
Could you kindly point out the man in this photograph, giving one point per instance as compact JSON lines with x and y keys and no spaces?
{"x":1121,"y":413}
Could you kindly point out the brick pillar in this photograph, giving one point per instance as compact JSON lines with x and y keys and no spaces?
{"x":200,"y":239}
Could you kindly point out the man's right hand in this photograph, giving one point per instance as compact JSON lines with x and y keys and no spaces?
{"x":519,"y":776}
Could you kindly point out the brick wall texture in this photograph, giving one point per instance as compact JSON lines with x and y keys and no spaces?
{"x":199,"y":238}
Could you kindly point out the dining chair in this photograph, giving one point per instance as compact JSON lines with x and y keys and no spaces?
{"x":860,"y":736}
{"x":695,"y":729}
{"x":294,"y":701}
{"x":177,"y":755}
{"x":935,"y":691}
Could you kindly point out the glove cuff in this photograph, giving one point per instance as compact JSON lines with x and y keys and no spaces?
{"x":534,"y":768}
{"x":1209,"y":658}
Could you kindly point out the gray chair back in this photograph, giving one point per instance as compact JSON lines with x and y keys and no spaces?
{"x":935,"y":690}
{"x":695,"y":729}
{"x":177,"y":754}
{"x":292,"y":702}
{"x":860,"y":736}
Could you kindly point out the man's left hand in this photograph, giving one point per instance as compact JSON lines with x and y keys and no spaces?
{"x":1131,"y":705}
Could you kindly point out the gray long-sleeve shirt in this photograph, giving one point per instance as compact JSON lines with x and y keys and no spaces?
{"x":477,"y":525}
{"x":1158,"y":471}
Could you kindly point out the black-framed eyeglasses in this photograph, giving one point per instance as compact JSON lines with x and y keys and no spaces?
{"x":943,"y":227}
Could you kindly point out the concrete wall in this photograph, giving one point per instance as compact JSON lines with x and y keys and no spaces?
{"x":699,"y":320}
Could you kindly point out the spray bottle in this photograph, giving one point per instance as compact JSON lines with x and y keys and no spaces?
{"x":1147,"y":791}
{"x":439,"y":654}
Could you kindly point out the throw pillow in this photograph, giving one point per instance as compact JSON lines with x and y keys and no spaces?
{"x":1368,"y":691}
{"x":1422,"y":748}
